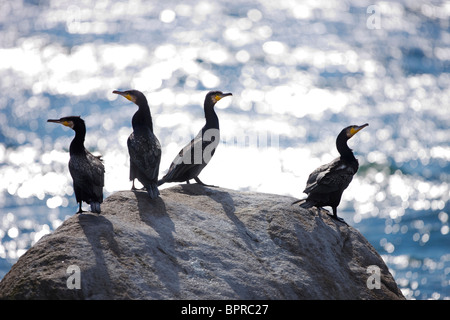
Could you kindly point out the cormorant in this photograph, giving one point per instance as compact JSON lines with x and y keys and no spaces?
{"x":143,"y":146}
{"x":87,"y":170}
{"x":326,"y":184}
{"x":191,"y":160}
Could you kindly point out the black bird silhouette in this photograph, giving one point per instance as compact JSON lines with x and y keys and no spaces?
{"x":87,"y":170}
{"x":191,"y":160}
{"x":143,"y":146}
{"x":326,"y":184}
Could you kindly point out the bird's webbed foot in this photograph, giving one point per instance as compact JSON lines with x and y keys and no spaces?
{"x":335,"y":217}
{"x":80,"y":210}
{"x":204,"y":184}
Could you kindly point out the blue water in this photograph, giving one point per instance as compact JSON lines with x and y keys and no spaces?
{"x":299,"y":73}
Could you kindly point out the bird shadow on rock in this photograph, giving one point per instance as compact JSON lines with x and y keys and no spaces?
{"x":221,"y":197}
{"x":99,"y":232}
{"x":153,"y":212}
{"x":322,"y":241}
{"x":346,"y":237}
{"x":246,"y":239}
{"x":340,"y":230}
{"x":341,"y":242}
{"x":152,"y":209}
{"x":227,"y":203}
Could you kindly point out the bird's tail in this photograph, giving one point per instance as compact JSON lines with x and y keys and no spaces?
{"x":152,"y":190}
{"x":95,"y":207}
{"x":304,"y":203}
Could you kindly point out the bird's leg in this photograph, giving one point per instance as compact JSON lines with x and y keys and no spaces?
{"x":133,"y":188}
{"x":187,"y":182}
{"x":334,"y":216}
{"x":203,"y":184}
{"x":80,"y":210}
{"x":328,"y":212}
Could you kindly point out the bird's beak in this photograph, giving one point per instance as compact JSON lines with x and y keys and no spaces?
{"x":356,"y":129}
{"x":124,"y":94}
{"x":118,"y":92}
{"x":220,"y":96}
{"x":54,"y":120}
{"x":64,"y":123}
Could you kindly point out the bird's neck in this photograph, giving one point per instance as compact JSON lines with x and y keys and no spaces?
{"x":212,"y":121}
{"x":343,"y":149}
{"x":77,"y":144}
{"x":142,"y":117}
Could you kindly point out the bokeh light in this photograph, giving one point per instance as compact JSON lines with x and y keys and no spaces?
{"x":299,"y":72}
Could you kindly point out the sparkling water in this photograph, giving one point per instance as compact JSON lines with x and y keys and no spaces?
{"x":299,"y":71}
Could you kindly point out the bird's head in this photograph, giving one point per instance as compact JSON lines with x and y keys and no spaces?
{"x":215,"y":96}
{"x":72,"y":122}
{"x":133,"y":95}
{"x":350,"y":131}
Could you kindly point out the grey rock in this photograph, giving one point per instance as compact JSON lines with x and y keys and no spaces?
{"x":196,"y":242}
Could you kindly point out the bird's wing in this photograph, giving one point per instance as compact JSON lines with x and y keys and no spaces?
{"x":188,"y":157}
{"x":145,"y":153}
{"x":97,"y":169}
{"x":193,"y":157}
{"x":98,"y":175}
{"x":330,"y":177}
{"x":88,"y":174}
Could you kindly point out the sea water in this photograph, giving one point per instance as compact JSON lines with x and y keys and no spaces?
{"x":299,"y":71}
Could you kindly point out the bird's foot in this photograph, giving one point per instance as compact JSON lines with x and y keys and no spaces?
{"x":133,"y":188}
{"x":80,"y":210}
{"x":204,"y":184}
{"x":335,"y":217}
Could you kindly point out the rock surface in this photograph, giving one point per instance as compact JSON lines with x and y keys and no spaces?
{"x":200,"y":243}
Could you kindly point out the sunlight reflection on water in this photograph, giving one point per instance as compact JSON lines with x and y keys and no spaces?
{"x":299,"y":73}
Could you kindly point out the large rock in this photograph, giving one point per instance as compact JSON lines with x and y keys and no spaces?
{"x":200,"y":243}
